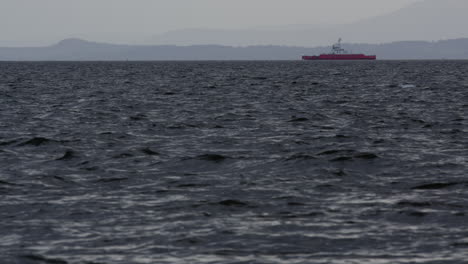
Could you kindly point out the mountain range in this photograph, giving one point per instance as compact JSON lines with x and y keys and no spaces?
{"x":425,"y":20}
{"x":432,"y":29}
{"x":80,"y":50}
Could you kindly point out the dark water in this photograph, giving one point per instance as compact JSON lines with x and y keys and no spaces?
{"x":234,"y":162}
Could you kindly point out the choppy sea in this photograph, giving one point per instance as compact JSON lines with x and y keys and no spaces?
{"x":234,"y":162}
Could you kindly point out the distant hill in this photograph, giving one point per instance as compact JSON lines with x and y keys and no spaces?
{"x":80,"y":50}
{"x":426,"y":20}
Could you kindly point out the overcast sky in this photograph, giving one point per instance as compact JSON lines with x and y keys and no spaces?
{"x":42,"y":22}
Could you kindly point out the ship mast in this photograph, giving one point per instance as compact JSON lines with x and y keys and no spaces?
{"x":337,"y":49}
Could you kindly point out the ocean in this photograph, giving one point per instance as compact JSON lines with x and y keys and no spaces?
{"x":234,"y":162}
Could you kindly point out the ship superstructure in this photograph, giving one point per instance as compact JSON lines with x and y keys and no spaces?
{"x":339,"y":53}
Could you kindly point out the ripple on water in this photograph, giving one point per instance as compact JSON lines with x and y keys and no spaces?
{"x":233,"y":162}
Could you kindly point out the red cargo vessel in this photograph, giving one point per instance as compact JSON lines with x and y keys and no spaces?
{"x":338,"y":53}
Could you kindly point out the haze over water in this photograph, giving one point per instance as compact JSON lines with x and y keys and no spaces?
{"x":234,"y":162}
{"x":242,"y":22}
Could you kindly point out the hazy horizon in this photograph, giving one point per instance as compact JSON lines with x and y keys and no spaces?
{"x":40,"y":23}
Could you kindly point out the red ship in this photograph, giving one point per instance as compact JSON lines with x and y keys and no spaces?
{"x":338,"y":53}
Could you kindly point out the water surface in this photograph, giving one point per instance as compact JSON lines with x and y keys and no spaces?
{"x":234,"y":162}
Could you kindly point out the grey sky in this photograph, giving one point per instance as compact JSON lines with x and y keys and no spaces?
{"x":42,"y":22}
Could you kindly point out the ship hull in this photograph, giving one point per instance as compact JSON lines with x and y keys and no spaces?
{"x":340,"y":57}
